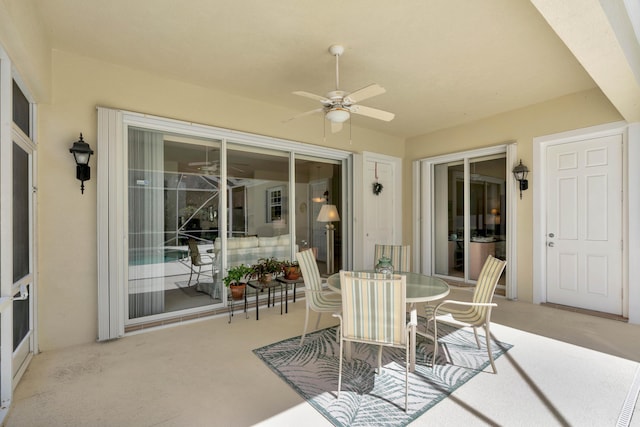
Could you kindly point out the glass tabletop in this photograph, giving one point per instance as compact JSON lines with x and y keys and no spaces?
{"x":420,"y":288}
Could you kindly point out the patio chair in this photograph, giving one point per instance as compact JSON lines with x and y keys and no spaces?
{"x":399,"y":255}
{"x":317,"y":298}
{"x":386,"y":327}
{"x":197,"y":261}
{"x":471,"y":314}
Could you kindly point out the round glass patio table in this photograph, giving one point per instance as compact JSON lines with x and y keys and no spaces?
{"x":420,"y":288}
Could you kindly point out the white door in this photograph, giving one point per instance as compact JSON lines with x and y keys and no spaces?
{"x":584,"y":224}
{"x":378,"y":219}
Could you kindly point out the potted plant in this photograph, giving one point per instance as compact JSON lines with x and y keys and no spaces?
{"x":265,"y":269}
{"x":235,"y":280}
{"x":291,"y":270}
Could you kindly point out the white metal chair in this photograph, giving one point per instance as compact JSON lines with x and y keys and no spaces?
{"x":475,"y":313}
{"x":197,"y":261}
{"x":399,"y":255}
{"x":387,"y":327}
{"x":317,"y":299}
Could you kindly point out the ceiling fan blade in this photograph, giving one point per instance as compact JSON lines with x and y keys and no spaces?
{"x":310,"y":95}
{"x":372,"y":112}
{"x":336,"y":127}
{"x":306,"y":113}
{"x":364,"y":93}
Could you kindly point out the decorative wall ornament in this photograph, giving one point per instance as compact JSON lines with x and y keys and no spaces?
{"x":377,"y":187}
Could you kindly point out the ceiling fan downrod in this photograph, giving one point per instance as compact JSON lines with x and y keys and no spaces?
{"x":337,"y":50}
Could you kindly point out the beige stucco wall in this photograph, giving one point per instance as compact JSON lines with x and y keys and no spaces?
{"x":24,"y":40}
{"x":570,"y":112}
{"x":67,"y":306}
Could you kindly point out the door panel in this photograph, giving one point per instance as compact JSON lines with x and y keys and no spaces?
{"x":378,"y":220}
{"x":584,"y":228}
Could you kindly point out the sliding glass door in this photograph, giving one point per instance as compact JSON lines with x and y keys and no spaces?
{"x":469,"y":214}
{"x":173,"y":198}
{"x":196,"y":206}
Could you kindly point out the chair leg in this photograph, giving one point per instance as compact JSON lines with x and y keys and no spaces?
{"x":475,"y":333}
{"x":379,"y":360}
{"x":190,"y":274}
{"x":406,"y":377}
{"x":488,"y":336}
{"x":318,"y":320}
{"x":306,"y":323}
{"x":435,"y":342}
{"x":340,"y":371}
{"x":198,"y":277}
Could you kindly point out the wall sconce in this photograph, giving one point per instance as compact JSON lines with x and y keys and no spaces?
{"x":81,"y":153}
{"x":520,"y":173}
{"x":323,"y":199}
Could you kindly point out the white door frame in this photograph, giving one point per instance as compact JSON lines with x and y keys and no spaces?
{"x":540,"y":145}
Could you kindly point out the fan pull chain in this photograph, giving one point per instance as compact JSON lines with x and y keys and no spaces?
{"x":324,"y":129}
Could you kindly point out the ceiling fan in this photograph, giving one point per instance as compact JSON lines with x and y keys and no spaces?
{"x":338,"y":105}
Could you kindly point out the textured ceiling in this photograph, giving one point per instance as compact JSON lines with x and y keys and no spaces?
{"x":442,"y":62}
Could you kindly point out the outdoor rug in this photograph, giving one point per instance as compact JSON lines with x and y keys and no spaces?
{"x":368,"y":399}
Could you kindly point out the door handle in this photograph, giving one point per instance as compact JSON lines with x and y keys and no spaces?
{"x":551,"y":244}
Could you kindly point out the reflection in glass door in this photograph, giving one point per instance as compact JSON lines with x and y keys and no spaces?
{"x":173,"y":198}
{"x":469,"y":215}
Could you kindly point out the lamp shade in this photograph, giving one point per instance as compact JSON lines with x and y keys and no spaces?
{"x":328,"y":213}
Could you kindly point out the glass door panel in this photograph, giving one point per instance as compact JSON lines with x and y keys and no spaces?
{"x":318,"y":182}
{"x":22,"y":261}
{"x":449,"y":242}
{"x":257,"y":205}
{"x":469,"y":215}
{"x":173,"y":199}
{"x":487,"y":207}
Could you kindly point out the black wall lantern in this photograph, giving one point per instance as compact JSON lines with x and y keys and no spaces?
{"x":81,"y":153}
{"x":520,"y":173}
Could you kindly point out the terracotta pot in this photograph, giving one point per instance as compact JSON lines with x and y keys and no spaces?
{"x":237,"y":291}
{"x":292,"y":273}
{"x":265,"y":278}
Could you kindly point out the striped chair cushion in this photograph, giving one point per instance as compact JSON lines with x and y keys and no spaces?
{"x":484,"y":290}
{"x":374,"y":309}
{"x":400,"y":256}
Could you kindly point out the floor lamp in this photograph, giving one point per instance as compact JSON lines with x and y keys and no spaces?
{"x":329,"y":214}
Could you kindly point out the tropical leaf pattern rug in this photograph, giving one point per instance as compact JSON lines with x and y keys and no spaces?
{"x":369,"y":399}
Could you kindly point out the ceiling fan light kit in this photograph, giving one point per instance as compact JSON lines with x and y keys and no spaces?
{"x":337,"y":115}
{"x":338,"y":105}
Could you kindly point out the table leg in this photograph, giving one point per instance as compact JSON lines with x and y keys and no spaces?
{"x":412,"y":342}
{"x":246,"y":303}
{"x":286,"y":297}
{"x":257,"y":314}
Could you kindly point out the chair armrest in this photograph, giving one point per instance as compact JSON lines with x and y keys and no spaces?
{"x":464,"y":303}
{"x":413,"y":318}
